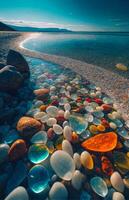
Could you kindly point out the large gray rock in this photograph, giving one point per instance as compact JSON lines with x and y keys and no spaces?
{"x":16,"y":59}
{"x":10,"y":79}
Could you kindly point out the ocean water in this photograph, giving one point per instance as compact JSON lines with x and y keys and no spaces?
{"x":101,"y":49}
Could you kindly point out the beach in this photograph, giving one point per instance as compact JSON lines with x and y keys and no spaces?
{"x":114,"y":85}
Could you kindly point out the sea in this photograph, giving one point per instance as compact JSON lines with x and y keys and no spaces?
{"x":101,"y":49}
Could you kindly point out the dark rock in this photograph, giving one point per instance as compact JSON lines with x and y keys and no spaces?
{"x":10,"y":79}
{"x":16,"y":59}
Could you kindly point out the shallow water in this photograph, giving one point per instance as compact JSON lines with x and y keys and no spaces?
{"x":105,"y":50}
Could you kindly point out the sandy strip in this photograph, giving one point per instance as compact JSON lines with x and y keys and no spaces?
{"x":111,"y":83}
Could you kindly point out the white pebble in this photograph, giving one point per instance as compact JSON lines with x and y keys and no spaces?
{"x":118,"y":196}
{"x":67,"y":107}
{"x":112,"y":125}
{"x":18,"y":193}
{"x":77,"y":180}
{"x":67,"y":147}
{"x":51,"y":121}
{"x":58,"y":192}
{"x":67,"y":133}
{"x":52,"y":111}
{"x":66,"y":114}
{"x":57,"y":129}
{"x":117,"y":182}
{"x":77,"y":161}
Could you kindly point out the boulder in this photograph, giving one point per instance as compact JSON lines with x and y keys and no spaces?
{"x":10,"y":79}
{"x":16,"y":59}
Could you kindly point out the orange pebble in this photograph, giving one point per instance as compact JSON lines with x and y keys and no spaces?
{"x":101,"y":142}
{"x":74,"y":137}
{"x":43,"y":108}
{"x":101,"y":128}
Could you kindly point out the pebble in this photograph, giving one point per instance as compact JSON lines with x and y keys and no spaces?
{"x":38,"y":153}
{"x":62,"y":164}
{"x":99,"y":186}
{"x":67,"y":147}
{"x":4,"y":149}
{"x":117,"y":182}
{"x":17,"y":150}
{"x":18,"y":193}
{"x":77,"y":160}
{"x":118,"y":196}
{"x":58,"y":191}
{"x":39,"y":138}
{"x":28,"y":126}
{"x":67,"y":133}
{"x":38,"y":178}
{"x":57,"y":129}
{"x":52,"y":111}
{"x":51,"y":121}
{"x":87,"y":160}
{"x":77,"y":180}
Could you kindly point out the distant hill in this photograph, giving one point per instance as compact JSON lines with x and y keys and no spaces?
{"x":4,"y":27}
{"x":35,"y":29}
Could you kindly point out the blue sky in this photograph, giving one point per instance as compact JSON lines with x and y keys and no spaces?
{"x":73,"y":14}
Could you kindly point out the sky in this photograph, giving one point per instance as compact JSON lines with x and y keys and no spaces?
{"x":80,"y":15}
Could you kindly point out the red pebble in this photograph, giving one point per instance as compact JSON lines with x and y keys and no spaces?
{"x":98,"y":101}
{"x":17,"y":150}
{"x":88,"y":100}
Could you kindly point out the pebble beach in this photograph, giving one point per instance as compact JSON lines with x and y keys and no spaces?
{"x":69,"y":137}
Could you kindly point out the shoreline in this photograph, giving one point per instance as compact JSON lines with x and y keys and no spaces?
{"x":114,"y":85}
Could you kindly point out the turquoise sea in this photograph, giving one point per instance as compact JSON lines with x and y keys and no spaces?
{"x":102,"y":49}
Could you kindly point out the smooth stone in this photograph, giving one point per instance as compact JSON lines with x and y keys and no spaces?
{"x":77,"y":160}
{"x":112,"y":125}
{"x":67,"y":147}
{"x":51,"y":121}
{"x":78,"y":123}
{"x":58,"y":192}
{"x":121,"y":67}
{"x":121,"y":161}
{"x":65,"y":123}
{"x":41,"y":94}
{"x":99,"y":186}
{"x":17,"y":150}
{"x":67,"y":132}
{"x":57,"y":129}
{"x":39,"y":115}
{"x":11,"y":136}
{"x":66,"y":114}
{"x":89,"y":117}
{"x":17,"y":177}
{"x":18,"y":193}
{"x":67,"y":107}
{"x":101,"y":142}
{"x":4,"y":150}
{"x":123,"y":133}
{"x":77,"y":180}
{"x":39,"y":138}
{"x":118,"y":196}
{"x":117,"y":182}
{"x":52,"y":111}
{"x":38,"y":153}
{"x":86,"y":134}
{"x":87,"y":160}
{"x":28,"y":126}
{"x":62,"y":164}
{"x":38,"y":178}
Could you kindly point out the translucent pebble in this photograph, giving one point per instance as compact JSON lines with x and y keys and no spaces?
{"x":65,"y":123}
{"x":98,"y":114}
{"x":77,"y":160}
{"x":86,"y":134}
{"x":38,"y":103}
{"x":89,"y":108}
{"x":45,"y":118}
{"x":66,"y":114}
{"x":96,"y":121}
{"x":51,"y":121}
{"x":39,"y":115}
{"x":87,"y":160}
{"x":118,"y":122}
{"x":57,"y":129}
{"x":39,"y":138}
{"x":117,"y":182}
{"x":89,"y":117}
{"x":38,"y":153}
{"x":123,"y":133}
{"x":4,"y":150}
{"x":67,"y":106}
{"x":67,"y":133}
{"x":78,"y":123}
{"x":118,"y":196}
{"x":67,"y":147}
{"x":38,"y":178}
{"x":52,"y":88}
{"x":121,"y":162}
{"x":99,"y":186}
{"x":62,"y":164}
{"x":112,"y":125}
{"x":127,"y":123}
{"x":77,"y":180}
{"x":52,"y":111}
{"x":58,"y":192}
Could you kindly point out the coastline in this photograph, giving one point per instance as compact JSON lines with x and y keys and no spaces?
{"x":111,"y":83}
